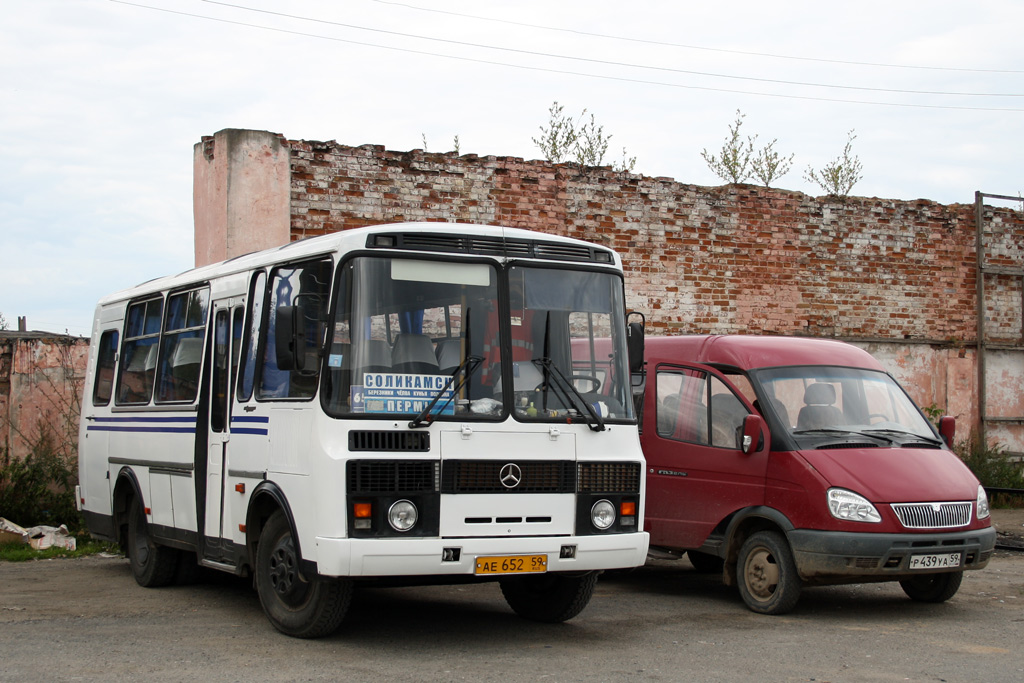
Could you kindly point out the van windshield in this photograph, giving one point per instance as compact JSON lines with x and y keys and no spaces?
{"x":811,"y":401}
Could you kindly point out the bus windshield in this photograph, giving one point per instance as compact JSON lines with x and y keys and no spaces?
{"x":482,"y":341}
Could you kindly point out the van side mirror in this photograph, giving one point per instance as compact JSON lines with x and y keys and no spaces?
{"x":947,"y":429}
{"x":288,"y":337}
{"x":753,"y":433}
{"x":635,"y":342}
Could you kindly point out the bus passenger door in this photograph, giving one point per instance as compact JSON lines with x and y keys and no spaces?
{"x":224,"y":351}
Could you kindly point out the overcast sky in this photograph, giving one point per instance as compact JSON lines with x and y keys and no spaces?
{"x":102,"y":102}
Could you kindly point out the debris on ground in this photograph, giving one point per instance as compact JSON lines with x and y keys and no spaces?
{"x":39,"y":537}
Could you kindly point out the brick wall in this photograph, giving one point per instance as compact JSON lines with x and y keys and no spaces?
{"x":736,"y":258}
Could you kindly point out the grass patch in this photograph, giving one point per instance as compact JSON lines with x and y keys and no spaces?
{"x":16,"y":551}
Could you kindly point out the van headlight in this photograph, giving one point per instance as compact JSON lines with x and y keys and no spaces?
{"x":851,"y":507}
{"x":982,"y":506}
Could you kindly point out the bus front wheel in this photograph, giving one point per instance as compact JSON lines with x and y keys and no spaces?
{"x":550,"y":598}
{"x":297,"y":605}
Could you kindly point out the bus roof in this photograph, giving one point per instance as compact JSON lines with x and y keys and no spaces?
{"x":496,"y":240}
{"x":750,"y":352}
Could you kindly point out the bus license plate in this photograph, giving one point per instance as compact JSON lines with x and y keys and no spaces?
{"x":940,"y":561}
{"x":512,"y":564}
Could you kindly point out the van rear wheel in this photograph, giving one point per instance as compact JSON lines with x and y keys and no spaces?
{"x":297,"y":605}
{"x":768,"y":580}
{"x":550,"y":598}
{"x":932,"y":587}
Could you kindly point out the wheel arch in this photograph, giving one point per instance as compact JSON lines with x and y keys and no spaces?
{"x":267,"y":498}
{"x":745,"y":523}
{"x":126,"y":487}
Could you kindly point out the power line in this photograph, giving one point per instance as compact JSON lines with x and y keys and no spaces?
{"x":605,"y":62}
{"x":697,"y":47}
{"x":620,"y":79}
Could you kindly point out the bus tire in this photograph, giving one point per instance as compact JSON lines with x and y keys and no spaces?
{"x":766,"y":574}
{"x":932,"y":587}
{"x":152,"y":564}
{"x":550,"y":598}
{"x":296,"y":605}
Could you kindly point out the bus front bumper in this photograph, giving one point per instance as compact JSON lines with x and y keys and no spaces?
{"x":458,"y":557}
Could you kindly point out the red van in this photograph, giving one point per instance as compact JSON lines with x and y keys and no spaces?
{"x":784,"y":462}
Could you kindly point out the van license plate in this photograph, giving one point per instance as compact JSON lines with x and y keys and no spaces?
{"x":512,"y":564}
{"x":941,"y":561}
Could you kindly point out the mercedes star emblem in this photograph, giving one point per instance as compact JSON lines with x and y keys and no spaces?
{"x":510,"y":475}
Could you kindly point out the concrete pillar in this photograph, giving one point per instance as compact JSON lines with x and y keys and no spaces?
{"x":241,"y":194}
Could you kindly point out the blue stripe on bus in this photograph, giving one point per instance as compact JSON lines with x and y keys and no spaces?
{"x":250,"y":418}
{"x":250,"y":430}
{"x":163,"y":430}
{"x":145,"y":419}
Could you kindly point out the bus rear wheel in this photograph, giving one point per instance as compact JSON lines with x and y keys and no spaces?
{"x":297,"y":605}
{"x":551,"y":598}
{"x":152,"y":564}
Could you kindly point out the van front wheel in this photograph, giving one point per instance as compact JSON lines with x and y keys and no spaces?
{"x":767,"y":575}
{"x":932,"y":587}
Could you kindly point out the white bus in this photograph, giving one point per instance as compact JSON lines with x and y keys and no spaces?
{"x":408,"y":402}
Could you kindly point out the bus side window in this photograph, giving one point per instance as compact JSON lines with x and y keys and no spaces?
{"x":305,"y":286}
{"x":138,"y":355}
{"x":106,"y":356}
{"x":251,"y":342}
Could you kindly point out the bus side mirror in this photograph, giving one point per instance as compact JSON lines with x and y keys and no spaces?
{"x":753,"y":433}
{"x":635,"y":343}
{"x":288,"y":338}
{"x":947,"y":428}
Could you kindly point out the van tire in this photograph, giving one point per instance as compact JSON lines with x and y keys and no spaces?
{"x":766,"y":573}
{"x":932,"y":587}
{"x":296,"y":605}
{"x":153,"y":565}
{"x":550,"y":598}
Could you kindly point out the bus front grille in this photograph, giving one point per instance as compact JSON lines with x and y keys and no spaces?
{"x":388,"y":441}
{"x":496,"y":476}
{"x":367,"y":477}
{"x":609,"y":477}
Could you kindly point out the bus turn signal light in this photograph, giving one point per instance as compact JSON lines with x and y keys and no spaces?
{"x":627,"y":508}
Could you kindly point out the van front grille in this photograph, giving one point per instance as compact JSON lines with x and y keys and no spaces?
{"x":933,"y":515}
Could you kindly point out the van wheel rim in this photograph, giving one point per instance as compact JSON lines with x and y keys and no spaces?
{"x":761,"y":573}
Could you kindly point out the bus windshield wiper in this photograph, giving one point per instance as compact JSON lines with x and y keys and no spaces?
{"x":470,"y":365}
{"x":570,"y":394}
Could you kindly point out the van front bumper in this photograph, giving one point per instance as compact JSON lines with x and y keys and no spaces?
{"x":833,"y":555}
{"x":433,"y":556}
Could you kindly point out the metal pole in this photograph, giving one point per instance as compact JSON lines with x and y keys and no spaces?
{"x":979,"y":215}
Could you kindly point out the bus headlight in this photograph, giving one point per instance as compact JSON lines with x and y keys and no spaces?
{"x":851,"y":507}
{"x":602,"y":515}
{"x":402,"y":515}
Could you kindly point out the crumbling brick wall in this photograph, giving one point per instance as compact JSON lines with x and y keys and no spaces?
{"x":736,"y":258}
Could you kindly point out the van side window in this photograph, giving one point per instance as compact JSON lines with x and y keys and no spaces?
{"x":138,"y":355}
{"x":697,"y":408}
{"x":306,"y":286}
{"x":106,"y":356}
{"x":181,"y":353}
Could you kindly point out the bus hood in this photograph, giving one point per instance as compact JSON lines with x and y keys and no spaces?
{"x":896,"y":475}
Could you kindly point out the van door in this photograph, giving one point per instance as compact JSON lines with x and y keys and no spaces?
{"x":223,"y":360}
{"x":698,"y":474}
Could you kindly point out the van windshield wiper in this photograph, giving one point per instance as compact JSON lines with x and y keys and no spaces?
{"x":470,"y":365}
{"x":836,"y":430}
{"x":905,"y":433}
{"x":570,"y":394}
